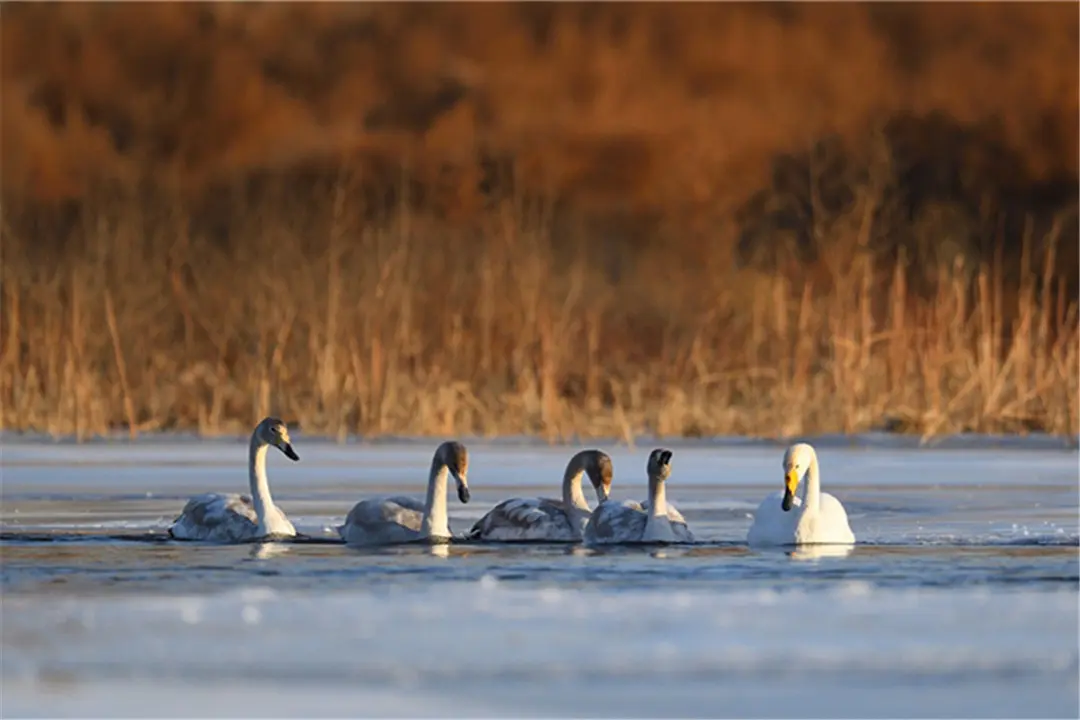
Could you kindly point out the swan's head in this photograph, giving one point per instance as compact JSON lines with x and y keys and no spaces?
{"x":272,"y":431}
{"x":597,"y":465}
{"x":600,"y":472}
{"x":659,"y":466}
{"x":456,"y":458}
{"x":797,"y":460}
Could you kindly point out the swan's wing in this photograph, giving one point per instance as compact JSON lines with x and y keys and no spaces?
{"x":672,"y":512}
{"x":674,"y":515}
{"x":682,"y":532}
{"x":827,"y":526}
{"x":678,"y":523}
{"x":616,"y":523}
{"x":832,"y":507}
{"x":398,"y":507}
{"x":524,"y":519}
{"x":213,"y":516}
{"x":373,"y":512}
{"x":389,"y":519}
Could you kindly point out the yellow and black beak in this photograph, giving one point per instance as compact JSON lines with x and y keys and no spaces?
{"x":791,"y":484}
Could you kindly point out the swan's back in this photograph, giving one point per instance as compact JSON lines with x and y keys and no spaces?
{"x":613,"y":522}
{"x":383,"y":520}
{"x":217,"y":518}
{"x":525,"y":519}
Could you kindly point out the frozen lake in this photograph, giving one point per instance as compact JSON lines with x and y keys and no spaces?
{"x":960,"y":600}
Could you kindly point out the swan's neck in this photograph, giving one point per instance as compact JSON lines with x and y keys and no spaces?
{"x":435,"y":522}
{"x":572,"y":495}
{"x":260,"y":487}
{"x":657,"y":526}
{"x":577,"y":507}
{"x":812,"y":495}
{"x":657,"y":498}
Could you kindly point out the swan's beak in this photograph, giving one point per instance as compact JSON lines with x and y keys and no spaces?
{"x":603,"y":492}
{"x":462,"y":487}
{"x":289,"y":452}
{"x":791,"y":483}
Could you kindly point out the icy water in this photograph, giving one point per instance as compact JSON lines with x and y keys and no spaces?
{"x":960,"y":599}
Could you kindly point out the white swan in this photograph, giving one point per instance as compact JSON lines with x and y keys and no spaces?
{"x":651,"y":521}
{"x":399,"y":519}
{"x":816,"y":518}
{"x":239,"y":518}
{"x":544,"y":519}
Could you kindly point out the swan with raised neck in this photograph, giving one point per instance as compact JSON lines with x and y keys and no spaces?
{"x":653,"y":521}
{"x":815,"y":517}
{"x":658,"y":526}
{"x":402,"y":519}
{"x":236,"y":518}
{"x":546,"y":519}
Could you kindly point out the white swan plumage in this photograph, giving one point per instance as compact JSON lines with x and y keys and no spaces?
{"x":653,"y":521}
{"x":237,"y":518}
{"x":815,"y":518}
{"x":546,"y":519}
{"x":402,"y":519}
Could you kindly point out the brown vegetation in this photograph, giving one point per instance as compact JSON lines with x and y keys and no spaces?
{"x":548,"y":218}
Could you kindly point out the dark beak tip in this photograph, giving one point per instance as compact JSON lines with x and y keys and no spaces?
{"x":291,"y":454}
{"x":463,"y":494}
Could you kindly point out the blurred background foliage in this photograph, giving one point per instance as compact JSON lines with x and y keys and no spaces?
{"x":644,"y":140}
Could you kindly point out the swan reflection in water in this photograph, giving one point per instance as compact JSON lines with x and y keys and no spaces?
{"x":266,"y":550}
{"x":817,"y":552}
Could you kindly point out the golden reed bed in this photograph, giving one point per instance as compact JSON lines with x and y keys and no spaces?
{"x":706,"y":219}
{"x":401,"y":329}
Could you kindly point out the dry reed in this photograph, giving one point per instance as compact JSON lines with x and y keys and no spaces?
{"x":200,"y":295}
{"x":409,"y":326}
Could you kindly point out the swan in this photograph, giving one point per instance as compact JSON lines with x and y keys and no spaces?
{"x":544,"y":519}
{"x":818,"y":517}
{"x":239,"y":518}
{"x":399,"y":519}
{"x":651,"y":521}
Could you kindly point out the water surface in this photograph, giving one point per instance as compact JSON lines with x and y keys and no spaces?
{"x":959,"y":600}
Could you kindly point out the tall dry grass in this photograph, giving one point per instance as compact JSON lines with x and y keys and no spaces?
{"x":412,"y":326}
{"x":563,"y":219}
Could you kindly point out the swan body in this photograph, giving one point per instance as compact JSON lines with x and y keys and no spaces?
{"x":233,"y":518}
{"x":674,"y":516}
{"x":652,"y":521}
{"x":545,"y":519}
{"x":786,"y":519}
{"x":401,"y":519}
